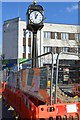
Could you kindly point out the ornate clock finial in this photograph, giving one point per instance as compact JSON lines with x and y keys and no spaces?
{"x":34,"y":2}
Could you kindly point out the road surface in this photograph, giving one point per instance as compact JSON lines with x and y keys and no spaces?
{"x":6,"y":113}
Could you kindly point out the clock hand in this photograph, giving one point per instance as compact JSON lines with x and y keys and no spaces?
{"x":36,"y":16}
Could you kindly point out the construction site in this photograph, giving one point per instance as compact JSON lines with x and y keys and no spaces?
{"x":48,"y":88}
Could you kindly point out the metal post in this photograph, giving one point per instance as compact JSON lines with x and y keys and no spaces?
{"x":40,"y":47}
{"x":57,"y":64}
{"x":34,"y":51}
{"x":51,"y":82}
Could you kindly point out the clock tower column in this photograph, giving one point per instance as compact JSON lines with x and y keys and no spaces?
{"x":35,"y":18}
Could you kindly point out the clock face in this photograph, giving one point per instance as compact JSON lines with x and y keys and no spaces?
{"x":36,"y":17}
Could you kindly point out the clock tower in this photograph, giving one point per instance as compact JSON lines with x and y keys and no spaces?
{"x":35,"y":19}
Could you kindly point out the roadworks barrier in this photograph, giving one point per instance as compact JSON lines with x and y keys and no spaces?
{"x":30,"y":108}
{"x":2,"y":87}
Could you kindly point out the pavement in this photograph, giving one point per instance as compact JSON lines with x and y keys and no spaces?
{"x":0,"y":107}
{"x":6,"y":112}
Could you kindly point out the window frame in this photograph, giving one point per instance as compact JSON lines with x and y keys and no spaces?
{"x":64,"y":36}
{"x":47,"y":34}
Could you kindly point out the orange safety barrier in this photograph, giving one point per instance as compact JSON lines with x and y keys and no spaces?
{"x":6,"y":94}
{"x":26,"y":113}
{"x":12,"y":96}
{"x":60,"y":111}
{"x":1,"y":90}
{"x":2,"y":86}
{"x":26,"y":109}
{"x":18,"y":102}
{"x":30,"y":107}
{"x":76,"y":89}
{"x":24,"y":106}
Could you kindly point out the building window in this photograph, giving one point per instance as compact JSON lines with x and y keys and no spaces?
{"x":24,"y":55}
{"x":44,"y":49}
{"x":59,"y":35}
{"x":24,"y":32}
{"x":73,"y":50}
{"x":64,"y":36}
{"x":47,"y":49}
{"x":24,"y":49}
{"x":47,"y":34}
{"x":56,"y":35}
{"x":29,"y":49}
{"x":53,"y":49}
{"x":78,"y":36}
{"x":52,"y":35}
{"x":29,"y":34}
{"x":65,"y":49}
{"x":24,"y":41}
{"x":76,"y":50}
{"x":50,"y":49}
{"x":29,"y":41}
{"x":57,"y":50}
{"x":79,"y":50}
{"x":29,"y":55}
{"x":71,"y":36}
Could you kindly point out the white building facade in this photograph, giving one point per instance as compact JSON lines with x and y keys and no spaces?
{"x":17,"y":40}
{"x":53,"y":37}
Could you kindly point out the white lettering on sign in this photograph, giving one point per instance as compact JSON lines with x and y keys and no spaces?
{"x":71,"y":108}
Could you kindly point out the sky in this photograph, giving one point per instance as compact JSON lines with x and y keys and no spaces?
{"x":54,"y":12}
